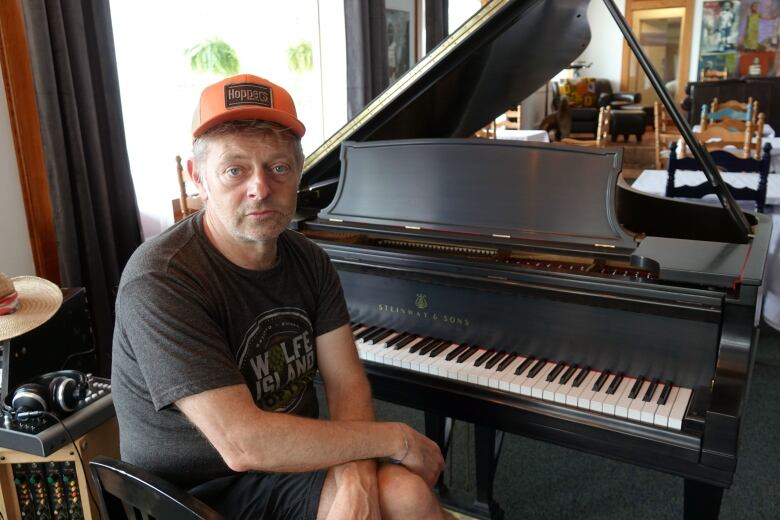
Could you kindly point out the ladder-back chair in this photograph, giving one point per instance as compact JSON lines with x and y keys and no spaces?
{"x":726,"y":161}
{"x":602,"y":131}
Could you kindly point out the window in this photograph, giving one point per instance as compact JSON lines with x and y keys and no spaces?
{"x":298,"y":44}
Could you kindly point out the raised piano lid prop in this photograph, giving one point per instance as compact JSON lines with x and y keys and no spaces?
{"x":524,"y":287}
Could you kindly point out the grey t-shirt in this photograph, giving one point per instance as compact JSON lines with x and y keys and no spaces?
{"x":188,"y":320}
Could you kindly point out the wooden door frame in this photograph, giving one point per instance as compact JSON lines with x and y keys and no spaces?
{"x":687,"y":37}
{"x":28,"y":144}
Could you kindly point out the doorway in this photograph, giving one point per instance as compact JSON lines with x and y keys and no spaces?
{"x":663,"y":29}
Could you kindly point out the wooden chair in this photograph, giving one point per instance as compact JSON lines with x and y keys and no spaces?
{"x":125,"y":491}
{"x":602,"y":131}
{"x":188,"y":203}
{"x":665,"y":132}
{"x":725,"y":161}
{"x":512,"y":119}
{"x":719,"y":137}
{"x":709,"y":74}
{"x":732,"y":112}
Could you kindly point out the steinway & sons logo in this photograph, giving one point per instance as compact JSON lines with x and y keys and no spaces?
{"x":421,"y":310}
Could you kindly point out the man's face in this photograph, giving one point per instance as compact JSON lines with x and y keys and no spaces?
{"x":251,"y":185}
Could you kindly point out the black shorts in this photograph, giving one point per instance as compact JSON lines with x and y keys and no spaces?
{"x":264,"y":495}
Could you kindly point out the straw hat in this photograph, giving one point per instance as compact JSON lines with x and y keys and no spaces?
{"x":25,"y":303}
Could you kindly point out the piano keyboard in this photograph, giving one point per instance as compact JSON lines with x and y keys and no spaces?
{"x":653,"y":402}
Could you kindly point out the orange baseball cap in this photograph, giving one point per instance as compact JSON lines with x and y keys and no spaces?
{"x":245,"y":97}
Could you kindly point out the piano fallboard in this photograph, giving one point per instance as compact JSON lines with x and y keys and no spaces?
{"x":593,"y":323}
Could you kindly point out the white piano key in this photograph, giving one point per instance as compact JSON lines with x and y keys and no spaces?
{"x":647,"y":413}
{"x":574,"y":393}
{"x":494,"y":380}
{"x":560,"y":393}
{"x":407,"y":356}
{"x":460,"y":370}
{"x":541,"y":380}
{"x":484,"y":374}
{"x":661,"y":416}
{"x":431,"y":360}
{"x":370,"y":351}
{"x":679,"y":408}
{"x":548,"y":394}
{"x":623,"y":402}
{"x":635,"y":409}
{"x":438,"y":367}
{"x":517,"y":381}
{"x":583,"y":400}
{"x":509,"y":373}
{"x":472,"y":372}
{"x":598,"y":398}
{"x":610,"y":402}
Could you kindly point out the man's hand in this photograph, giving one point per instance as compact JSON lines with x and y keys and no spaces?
{"x":357,"y":494}
{"x":420,"y":455}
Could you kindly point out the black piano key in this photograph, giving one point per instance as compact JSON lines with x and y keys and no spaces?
{"x":600,"y":381}
{"x":615,"y":384}
{"x":393,"y":342}
{"x":537,"y":368}
{"x":408,"y":338}
{"x":366,"y":332}
{"x":583,"y":373}
{"x":430,"y":346}
{"x":422,"y":344}
{"x":555,"y":371}
{"x":355,"y":326}
{"x":484,"y":357}
{"x":524,"y":365}
{"x":498,"y":356}
{"x":667,"y":389}
{"x":637,"y":386}
{"x":455,"y":353}
{"x":568,"y":373}
{"x":650,"y":391}
{"x":467,"y":354}
{"x":376,"y":335}
{"x":506,"y":362}
{"x":441,"y":348}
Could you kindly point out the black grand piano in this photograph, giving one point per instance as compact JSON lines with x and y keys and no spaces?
{"x":526,"y":288}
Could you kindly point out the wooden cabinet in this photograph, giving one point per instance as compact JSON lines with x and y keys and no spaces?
{"x":764,"y":89}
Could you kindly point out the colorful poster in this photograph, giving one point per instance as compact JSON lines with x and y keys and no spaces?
{"x":741,"y":37}
{"x":758,"y":25}
{"x":719,"y":26}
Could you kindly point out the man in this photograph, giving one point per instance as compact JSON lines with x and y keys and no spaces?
{"x":222,"y":322}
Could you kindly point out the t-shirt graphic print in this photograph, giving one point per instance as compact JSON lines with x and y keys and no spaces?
{"x":277,"y":359}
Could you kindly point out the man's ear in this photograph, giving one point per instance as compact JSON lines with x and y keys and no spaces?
{"x":196,"y":177}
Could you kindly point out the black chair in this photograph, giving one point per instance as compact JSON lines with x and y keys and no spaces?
{"x":125,"y":491}
{"x":726,"y":161}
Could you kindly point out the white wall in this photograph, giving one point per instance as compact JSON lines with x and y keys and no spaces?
{"x":605,"y":50}
{"x":606,"y":44}
{"x":15,"y":250}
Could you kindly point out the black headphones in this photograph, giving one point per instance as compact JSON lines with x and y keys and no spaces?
{"x":58,"y":392}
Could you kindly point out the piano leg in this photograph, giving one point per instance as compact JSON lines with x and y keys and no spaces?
{"x":487,"y":447}
{"x":702,"y":501}
{"x":439,"y":430}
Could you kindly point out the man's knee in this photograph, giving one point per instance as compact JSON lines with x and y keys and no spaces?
{"x":402,"y":493}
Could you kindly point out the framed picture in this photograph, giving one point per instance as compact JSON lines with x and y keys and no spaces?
{"x":402,"y":18}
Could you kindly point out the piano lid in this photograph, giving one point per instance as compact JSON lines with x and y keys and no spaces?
{"x":482,"y":189}
{"x":498,"y":57}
